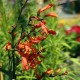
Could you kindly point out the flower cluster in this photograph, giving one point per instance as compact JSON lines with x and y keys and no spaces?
{"x":27,"y":49}
{"x":29,"y":53}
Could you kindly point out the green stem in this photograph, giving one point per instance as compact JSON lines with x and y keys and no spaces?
{"x":13,"y":44}
{"x":14,"y":76}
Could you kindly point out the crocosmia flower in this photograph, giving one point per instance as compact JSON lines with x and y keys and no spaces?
{"x":25,"y":64}
{"x":36,"y":39}
{"x":52,"y":14}
{"x":44,"y":8}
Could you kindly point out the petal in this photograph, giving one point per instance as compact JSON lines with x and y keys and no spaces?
{"x":24,"y":64}
{"x":23,"y":54}
{"x":40,"y":24}
{"x":52,"y":14}
{"x":36,"y":39}
{"x":44,"y":30}
{"x":52,"y":32}
{"x":34,"y":50}
{"x":32,"y":65}
{"x":44,"y":8}
{"x":37,"y":25}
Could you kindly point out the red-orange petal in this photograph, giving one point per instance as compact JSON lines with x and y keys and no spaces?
{"x":44,"y":29}
{"x":44,"y":8}
{"x":40,"y":24}
{"x":52,"y":14}
{"x":36,"y":39}
{"x":52,"y":32}
{"x":24,"y":64}
{"x":37,"y":25}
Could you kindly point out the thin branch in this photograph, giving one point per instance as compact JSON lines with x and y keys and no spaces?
{"x":14,"y":27}
{"x":13,"y":44}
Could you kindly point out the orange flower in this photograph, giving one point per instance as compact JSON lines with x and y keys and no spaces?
{"x":36,"y":39}
{"x":52,"y":14}
{"x":40,"y":24}
{"x":49,"y":71}
{"x":33,"y":59}
{"x":44,"y":29}
{"x":24,"y":49}
{"x":25,"y":64}
{"x":44,"y":8}
{"x":37,"y":25}
{"x":21,"y":52}
{"x":8,"y":46}
{"x":29,"y":54}
{"x":47,"y":31}
{"x":52,"y":32}
{"x":57,"y":71}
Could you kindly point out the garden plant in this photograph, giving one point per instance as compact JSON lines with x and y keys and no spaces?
{"x":32,"y":46}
